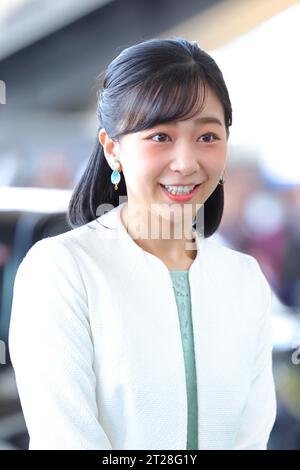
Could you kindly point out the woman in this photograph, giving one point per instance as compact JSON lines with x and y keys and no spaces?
{"x":125,"y":335}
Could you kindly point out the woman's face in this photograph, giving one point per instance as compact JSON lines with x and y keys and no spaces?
{"x":183,"y":153}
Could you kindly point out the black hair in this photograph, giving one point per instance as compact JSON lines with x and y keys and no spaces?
{"x":150,"y":83}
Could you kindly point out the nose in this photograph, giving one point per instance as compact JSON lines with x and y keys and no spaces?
{"x":185,"y":160}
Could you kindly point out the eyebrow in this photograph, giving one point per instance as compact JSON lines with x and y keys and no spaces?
{"x":201,"y":120}
{"x":208,"y":120}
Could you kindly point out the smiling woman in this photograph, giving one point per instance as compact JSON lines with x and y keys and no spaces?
{"x":155,"y":342}
{"x":173,"y":85}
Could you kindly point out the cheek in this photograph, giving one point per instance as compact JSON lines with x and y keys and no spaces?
{"x":144,"y":174}
{"x":215,"y":164}
{"x":150,"y":165}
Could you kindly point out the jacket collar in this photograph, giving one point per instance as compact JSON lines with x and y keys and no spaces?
{"x":112,"y":220}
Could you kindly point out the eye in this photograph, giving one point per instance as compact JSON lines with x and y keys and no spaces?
{"x":158,"y":134}
{"x":208,"y":134}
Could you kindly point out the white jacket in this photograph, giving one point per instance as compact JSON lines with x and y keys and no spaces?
{"x":96,"y":346}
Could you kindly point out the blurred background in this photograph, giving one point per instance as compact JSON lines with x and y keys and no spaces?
{"x":51,"y":53}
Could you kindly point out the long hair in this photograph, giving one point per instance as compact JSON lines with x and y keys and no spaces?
{"x":150,"y":83}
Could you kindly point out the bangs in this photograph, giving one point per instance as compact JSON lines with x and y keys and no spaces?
{"x":173,"y":96}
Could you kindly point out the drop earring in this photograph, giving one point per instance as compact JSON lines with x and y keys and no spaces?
{"x":115,"y":177}
{"x":222,"y":180}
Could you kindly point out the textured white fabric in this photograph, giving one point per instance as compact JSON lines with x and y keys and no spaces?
{"x":95,"y":343}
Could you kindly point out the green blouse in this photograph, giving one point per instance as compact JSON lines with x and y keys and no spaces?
{"x":180,"y":280}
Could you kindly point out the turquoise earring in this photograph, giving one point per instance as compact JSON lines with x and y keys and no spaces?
{"x":115,"y":177}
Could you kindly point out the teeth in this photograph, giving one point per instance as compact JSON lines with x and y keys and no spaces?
{"x":179,"y":189}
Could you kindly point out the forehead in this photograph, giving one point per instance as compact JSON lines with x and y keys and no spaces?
{"x":211,"y":106}
{"x":210,"y":111}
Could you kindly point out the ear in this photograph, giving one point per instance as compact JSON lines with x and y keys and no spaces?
{"x":111,"y":148}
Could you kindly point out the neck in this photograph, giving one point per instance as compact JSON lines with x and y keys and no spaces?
{"x":149,"y":232}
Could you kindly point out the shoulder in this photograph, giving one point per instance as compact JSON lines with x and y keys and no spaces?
{"x":224,"y":255}
{"x":65,"y":249}
{"x":53,"y":260}
{"x":237,"y":271}
{"x":84,"y":246}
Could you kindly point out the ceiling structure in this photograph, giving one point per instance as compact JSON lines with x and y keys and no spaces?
{"x":59,"y":69}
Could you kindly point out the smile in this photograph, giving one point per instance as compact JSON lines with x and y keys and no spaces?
{"x":180,"y":194}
